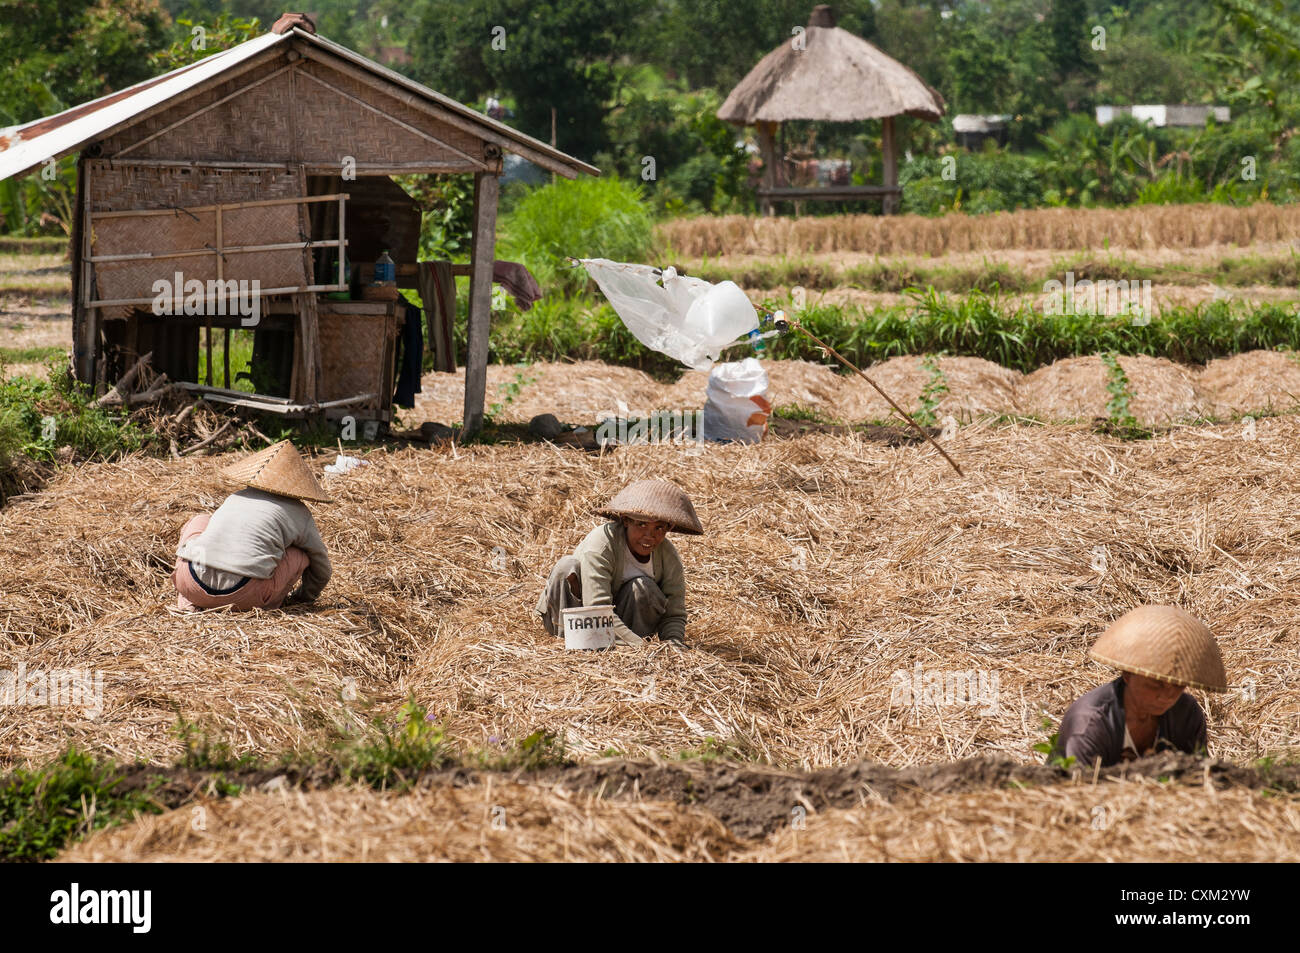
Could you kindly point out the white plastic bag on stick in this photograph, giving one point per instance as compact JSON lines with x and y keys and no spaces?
{"x":686,"y":318}
{"x":736,"y":405}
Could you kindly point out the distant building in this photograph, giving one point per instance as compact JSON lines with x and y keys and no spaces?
{"x":973,"y":130}
{"x":1178,"y":116}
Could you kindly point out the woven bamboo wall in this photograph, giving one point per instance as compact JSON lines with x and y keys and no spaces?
{"x":353,"y":348}
{"x":123,"y":188}
{"x":330,"y":125}
{"x":118,"y":186}
{"x":180,"y":149}
{"x":306,"y":118}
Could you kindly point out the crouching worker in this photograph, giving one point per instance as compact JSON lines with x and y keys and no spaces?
{"x":1160,"y":651}
{"x":629,"y":564}
{"x":253,"y":549}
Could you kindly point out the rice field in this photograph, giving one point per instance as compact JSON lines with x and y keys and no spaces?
{"x":837,"y":568}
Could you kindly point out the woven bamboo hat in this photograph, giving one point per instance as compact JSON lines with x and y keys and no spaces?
{"x":278,"y":469}
{"x":656,"y":500}
{"x":1165,"y":643}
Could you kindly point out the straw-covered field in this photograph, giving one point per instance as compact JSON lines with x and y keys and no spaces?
{"x":839,"y":571}
{"x":1161,"y":392}
{"x":836,"y":573}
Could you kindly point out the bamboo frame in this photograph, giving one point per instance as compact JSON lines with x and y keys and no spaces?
{"x":221,"y":250}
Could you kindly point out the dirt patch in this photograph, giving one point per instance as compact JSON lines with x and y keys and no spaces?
{"x":730,"y":800}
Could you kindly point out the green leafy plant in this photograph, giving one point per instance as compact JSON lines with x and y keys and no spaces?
{"x":394,"y":755}
{"x":42,"y":810}
{"x":800,"y":412}
{"x":932,"y":394}
{"x":1120,"y":417}
{"x":1065,"y":763}
{"x":510,"y":390}
{"x":582,"y":218}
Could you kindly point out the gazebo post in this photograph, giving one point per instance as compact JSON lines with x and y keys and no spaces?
{"x":482,"y":256}
{"x":767,"y":148}
{"x":889,"y":147}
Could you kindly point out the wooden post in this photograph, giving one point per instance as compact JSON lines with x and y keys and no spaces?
{"x":890,"y":150}
{"x":767,"y":149}
{"x":482,"y":257}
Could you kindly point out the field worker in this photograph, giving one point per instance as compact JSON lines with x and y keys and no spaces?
{"x":1160,"y":651}
{"x":253,"y":549}
{"x":629,"y":563}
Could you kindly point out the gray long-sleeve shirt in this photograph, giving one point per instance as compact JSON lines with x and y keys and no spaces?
{"x":1094,"y":726}
{"x":248,"y":535}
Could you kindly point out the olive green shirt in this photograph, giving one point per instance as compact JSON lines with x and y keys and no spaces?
{"x":601,"y":558}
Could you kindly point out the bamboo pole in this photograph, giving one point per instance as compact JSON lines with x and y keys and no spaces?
{"x":257,"y":203}
{"x":847,"y":363}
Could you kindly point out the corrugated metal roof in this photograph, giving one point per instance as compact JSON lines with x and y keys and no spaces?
{"x":23,"y":148}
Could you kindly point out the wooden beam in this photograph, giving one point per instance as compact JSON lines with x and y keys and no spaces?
{"x":889,"y":147}
{"x":829,"y":193}
{"x":767,"y":149}
{"x":482,"y":257}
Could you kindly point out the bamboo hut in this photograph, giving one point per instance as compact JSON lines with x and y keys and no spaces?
{"x":268,"y":162}
{"x":826,"y":73}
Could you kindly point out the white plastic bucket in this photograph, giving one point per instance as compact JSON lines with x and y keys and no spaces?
{"x":589,"y":627}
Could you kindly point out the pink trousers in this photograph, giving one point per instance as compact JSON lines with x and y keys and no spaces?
{"x":254,"y":594}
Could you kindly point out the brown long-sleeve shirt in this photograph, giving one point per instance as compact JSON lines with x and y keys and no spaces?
{"x":1094,"y":727}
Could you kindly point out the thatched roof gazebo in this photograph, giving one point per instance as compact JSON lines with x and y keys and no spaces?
{"x":829,"y":74}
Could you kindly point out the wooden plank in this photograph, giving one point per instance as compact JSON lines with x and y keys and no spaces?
{"x":767,"y":148}
{"x":258,"y":203}
{"x":275,"y":405}
{"x":889,"y":146}
{"x":845,"y":192}
{"x":231,"y":250}
{"x":482,"y":257}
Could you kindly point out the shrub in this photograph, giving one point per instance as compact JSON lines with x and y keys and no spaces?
{"x":581,"y":218}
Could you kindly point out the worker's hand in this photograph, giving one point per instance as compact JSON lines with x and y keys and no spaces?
{"x":294,"y":598}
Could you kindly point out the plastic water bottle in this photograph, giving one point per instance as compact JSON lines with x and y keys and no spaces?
{"x":385,"y":270}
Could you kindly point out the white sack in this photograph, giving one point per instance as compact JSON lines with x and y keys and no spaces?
{"x":736,"y":405}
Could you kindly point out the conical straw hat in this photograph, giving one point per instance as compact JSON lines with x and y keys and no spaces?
{"x":1165,"y":643}
{"x":656,"y":500}
{"x":277,"y":469}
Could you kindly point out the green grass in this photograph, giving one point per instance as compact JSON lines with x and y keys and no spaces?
{"x":43,"y":245}
{"x":800,"y":412}
{"x":990,"y":276}
{"x":42,"y":810}
{"x":241,"y":359}
{"x":584,"y":327}
{"x":31,"y":355}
